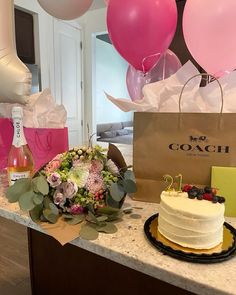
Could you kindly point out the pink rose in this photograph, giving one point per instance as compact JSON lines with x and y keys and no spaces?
{"x":53,"y":165}
{"x":54,"y":179}
{"x":59,"y":198}
{"x":69,"y":189}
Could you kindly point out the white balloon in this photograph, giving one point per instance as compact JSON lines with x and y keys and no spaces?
{"x":66,"y":9}
{"x":15,"y":78}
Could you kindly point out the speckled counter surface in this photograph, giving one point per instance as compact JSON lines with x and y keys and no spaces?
{"x":130,"y":247}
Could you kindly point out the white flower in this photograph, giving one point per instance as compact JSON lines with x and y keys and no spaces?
{"x":111,"y":166}
{"x":59,"y":198}
{"x":79,"y":176}
{"x":69,"y":189}
{"x":54,"y":179}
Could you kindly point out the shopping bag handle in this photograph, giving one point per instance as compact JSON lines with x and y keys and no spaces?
{"x":48,"y":144}
{"x":206,"y":77}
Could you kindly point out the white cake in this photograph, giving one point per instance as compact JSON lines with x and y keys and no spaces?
{"x":191,"y":223}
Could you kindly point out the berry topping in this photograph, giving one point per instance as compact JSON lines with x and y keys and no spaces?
{"x":214,"y":191}
{"x":207,"y":196}
{"x":193,"y":192}
{"x":221,"y":199}
{"x":187,"y":188}
{"x":208,"y":190}
{"x":215,"y":199}
{"x":200,"y":197}
{"x":208,"y":193}
{"x":201,"y":191}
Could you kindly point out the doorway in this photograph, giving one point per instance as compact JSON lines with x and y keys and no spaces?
{"x":109,"y":75}
{"x":68,"y":76}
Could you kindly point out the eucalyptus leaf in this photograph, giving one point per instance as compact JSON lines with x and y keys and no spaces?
{"x":90,"y":208}
{"x":129,"y":186}
{"x":53,"y":208}
{"x":50,"y":216}
{"x":46,"y":202}
{"x":102,"y":218}
{"x":108,"y":210}
{"x":36,"y":212}
{"x":91,"y":217}
{"x":108,"y":228}
{"x":20,"y":187}
{"x":115,"y":216}
{"x":26,"y":201}
{"x":88,"y":232}
{"x":129,"y":175}
{"x":76,"y":219}
{"x":117,"y":192}
{"x":41,"y":185}
{"x":38,"y":198}
{"x":67,"y":216}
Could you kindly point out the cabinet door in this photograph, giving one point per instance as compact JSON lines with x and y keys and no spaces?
{"x":68,"y":76}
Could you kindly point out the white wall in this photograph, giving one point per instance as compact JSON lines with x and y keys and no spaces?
{"x":44,"y":42}
{"x":110,"y":77}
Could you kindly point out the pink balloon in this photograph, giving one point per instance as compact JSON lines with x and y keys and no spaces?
{"x":65,"y":9}
{"x":135,"y":80}
{"x":209,"y":32}
{"x":106,"y":2}
{"x":141,"y":30}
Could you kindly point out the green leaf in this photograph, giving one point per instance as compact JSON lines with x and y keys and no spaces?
{"x":76,"y":219}
{"x":115,"y":216}
{"x":92,"y":218}
{"x":67,"y":216}
{"x":108,"y":228}
{"x":129,"y":186}
{"x":26,"y":201}
{"x":38,"y":198}
{"x":54,"y":209}
{"x":88,"y":232}
{"x":36,"y":212}
{"x":50,"y":216}
{"x":117,"y":192}
{"x":102,"y":218}
{"x":41,"y":185}
{"x":129,"y":175}
{"x":46,"y":202}
{"x":20,"y":187}
{"x":108,"y":210}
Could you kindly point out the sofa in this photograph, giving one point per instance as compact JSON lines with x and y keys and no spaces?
{"x":121,"y":132}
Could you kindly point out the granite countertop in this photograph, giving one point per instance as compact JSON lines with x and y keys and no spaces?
{"x":130,"y":247}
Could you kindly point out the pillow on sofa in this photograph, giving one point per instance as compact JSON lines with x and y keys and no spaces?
{"x":122,"y":132}
{"x":108,"y":134}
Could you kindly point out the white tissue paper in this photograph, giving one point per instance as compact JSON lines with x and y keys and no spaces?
{"x":163,"y":96}
{"x":41,"y":111}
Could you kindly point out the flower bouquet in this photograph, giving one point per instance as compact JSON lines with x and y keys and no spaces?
{"x":85,"y":186}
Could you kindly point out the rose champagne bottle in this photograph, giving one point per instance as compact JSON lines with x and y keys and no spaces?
{"x":20,"y":160}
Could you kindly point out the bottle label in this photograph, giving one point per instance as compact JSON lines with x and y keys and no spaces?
{"x":19,"y":137}
{"x":14,"y":176}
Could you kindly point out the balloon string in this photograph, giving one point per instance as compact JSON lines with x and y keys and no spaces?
{"x":164,"y":68}
{"x":145,"y":58}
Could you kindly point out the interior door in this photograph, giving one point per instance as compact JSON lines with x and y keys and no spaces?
{"x":68,"y":76}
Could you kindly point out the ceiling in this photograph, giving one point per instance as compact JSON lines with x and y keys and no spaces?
{"x":98,"y":4}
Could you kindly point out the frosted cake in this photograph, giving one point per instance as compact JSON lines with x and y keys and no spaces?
{"x":190,"y":221}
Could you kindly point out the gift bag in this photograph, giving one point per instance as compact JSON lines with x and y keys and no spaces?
{"x":44,"y":143}
{"x":180,"y":143}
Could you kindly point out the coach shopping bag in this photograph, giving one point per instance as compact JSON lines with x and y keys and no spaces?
{"x":45,"y":143}
{"x":180,"y":143}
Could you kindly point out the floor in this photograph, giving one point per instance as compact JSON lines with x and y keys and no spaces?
{"x":14,"y":264}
